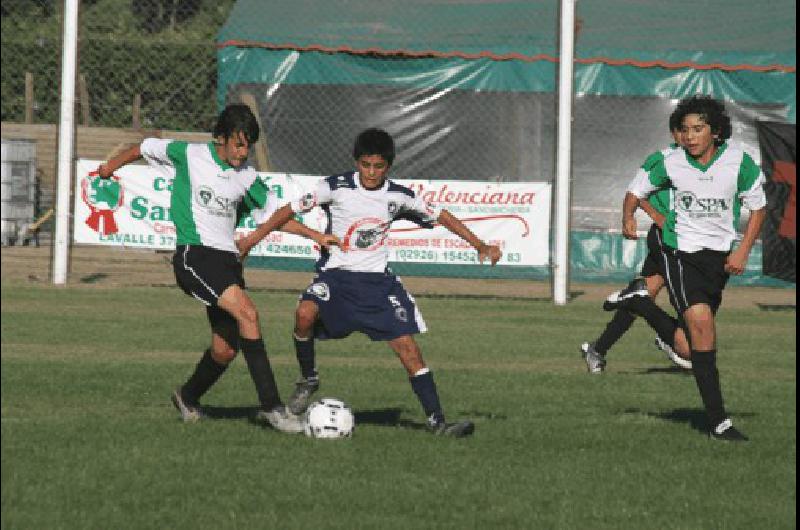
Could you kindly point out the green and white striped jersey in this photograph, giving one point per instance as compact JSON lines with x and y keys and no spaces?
{"x":658,"y":199}
{"x":208,"y":195}
{"x":705,"y":201}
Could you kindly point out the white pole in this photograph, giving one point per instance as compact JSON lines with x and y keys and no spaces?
{"x":564,"y":150}
{"x":66,"y":142}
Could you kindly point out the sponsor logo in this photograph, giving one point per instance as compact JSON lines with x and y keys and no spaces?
{"x":400,"y":312}
{"x":213,"y":203}
{"x":308,"y":201}
{"x":368,"y":233}
{"x":701,"y":206}
{"x":103,"y":197}
{"x":320,"y":290}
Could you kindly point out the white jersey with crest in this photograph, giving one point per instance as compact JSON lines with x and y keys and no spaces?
{"x":209,"y":197}
{"x":361,"y":219}
{"x":706,"y":200}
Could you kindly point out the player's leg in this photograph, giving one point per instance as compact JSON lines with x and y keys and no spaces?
{"x":594,"y":353}
{"x":424,"y":386}
{"x":700,"y":281}
{"x":700,"y":321}
{"x":213,"y":363}
{"x":305,"y":318}
{"x":235,"y":301}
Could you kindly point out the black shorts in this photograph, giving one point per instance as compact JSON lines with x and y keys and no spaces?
{"x":695,"y":278}
{"x":654,"y":263}
{"x":204,"y":272}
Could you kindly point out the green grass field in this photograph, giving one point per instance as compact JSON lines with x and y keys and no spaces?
{"x":90,"y":440}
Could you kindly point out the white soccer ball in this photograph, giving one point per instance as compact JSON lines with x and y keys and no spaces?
{"x":329,"y":418}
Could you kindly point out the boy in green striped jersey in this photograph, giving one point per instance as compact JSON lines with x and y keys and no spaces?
{"x":709,"y":182}
{"x":650,"y":282}
{"x":212,"y":188}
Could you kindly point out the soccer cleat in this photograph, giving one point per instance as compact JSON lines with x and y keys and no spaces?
{"x":189,"y":413}
{"x":281,"y":419}
{"x":725,"y":431}
{"x":637,"y":287}
{"x":301,"y":397}
{"x":459,"y":429}
{"x":676,"y":359}
{"x":595,"y":361}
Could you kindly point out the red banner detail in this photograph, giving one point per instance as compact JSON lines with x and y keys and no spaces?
{"x":786,"y":172}
{"x":107,"y":217}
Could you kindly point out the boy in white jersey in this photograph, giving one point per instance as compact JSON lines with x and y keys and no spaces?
{"x":709,"y":181}
{"x":212,"y":188}
{"x":354,"y":290}
{"x":651,"y":281}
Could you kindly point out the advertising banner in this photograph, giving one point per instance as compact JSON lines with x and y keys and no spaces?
{"x":131,"y":209}
{"x":778,"y":143}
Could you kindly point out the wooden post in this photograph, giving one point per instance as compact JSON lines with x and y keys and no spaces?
{"x":262,"y":152}
{"x":84,"y":95}
{"x":28,"y":97}
{"x":136,"y":121}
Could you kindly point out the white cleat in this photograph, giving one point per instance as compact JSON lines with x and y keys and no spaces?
{"x":676,"y":359}
{"x":281,"y":419}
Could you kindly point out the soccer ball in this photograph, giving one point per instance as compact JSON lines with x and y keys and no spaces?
{"x":329,"y":418}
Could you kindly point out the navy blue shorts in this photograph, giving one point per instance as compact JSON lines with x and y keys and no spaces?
{"x":373,"y":303}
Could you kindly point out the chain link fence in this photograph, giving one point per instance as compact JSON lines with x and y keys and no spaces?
{"x":142,"y":63}
{"x":157,"y":65}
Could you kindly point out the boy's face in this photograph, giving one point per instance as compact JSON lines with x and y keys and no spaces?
{"x":372,"y":171}
{"x":234,"y":149}
{"x":697,"y":137}
{"x":677,"y":136}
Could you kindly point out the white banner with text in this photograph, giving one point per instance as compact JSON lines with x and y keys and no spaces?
{"x":131,"y":209}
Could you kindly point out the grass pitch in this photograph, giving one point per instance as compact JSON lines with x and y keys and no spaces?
{"x":90,"y":440}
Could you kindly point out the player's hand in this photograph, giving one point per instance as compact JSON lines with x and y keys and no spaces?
{"x":659,"y":220}
{"x":629,"y":228}
{"x":245,"y":246}
{"x":736,"y":263}
{"x":104,"y":172}
{"x":328,"y":240}
{"x":492,"y":252}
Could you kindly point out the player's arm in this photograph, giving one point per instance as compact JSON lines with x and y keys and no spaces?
{"x":454,"y":224}
{"x":629,"y":206}
{"x":281,"y":216}
{"x":292,"y":226}
{"x":737,"y":260}
{"x":131,"y":154}
{"x":657,"y":217}
{"x":750,"y":189}
{"x":647,"y":180}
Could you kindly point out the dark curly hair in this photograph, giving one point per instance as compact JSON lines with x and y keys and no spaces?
{"x":237,"y":118}
{"x":711,"y":110}
{"x":674,"y":121}
{"x":374,"y":142}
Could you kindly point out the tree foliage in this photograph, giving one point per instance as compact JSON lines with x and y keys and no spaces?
{"x":162,"y":50}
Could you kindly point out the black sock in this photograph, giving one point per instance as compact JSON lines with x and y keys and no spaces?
{"x":704,"y":367}
{"x":261,"y":372}
{"x":204,"y":376}
{"x":620,"y":323}
{"x":425,"y":389}
{"x":304,"y":349}
{"x":663,"y":324}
